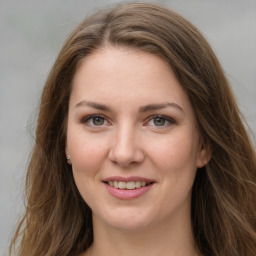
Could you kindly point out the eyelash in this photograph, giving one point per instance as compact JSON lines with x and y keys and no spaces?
{"x":86,"y":119}
{"x":165,"y":118}
{"x":170,"y":121}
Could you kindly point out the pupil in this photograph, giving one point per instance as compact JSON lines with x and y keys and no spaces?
{"x":159,"y":121}
{"x":98,"y":120}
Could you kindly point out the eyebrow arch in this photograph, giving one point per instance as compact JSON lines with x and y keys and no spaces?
{"x":151,"y":107}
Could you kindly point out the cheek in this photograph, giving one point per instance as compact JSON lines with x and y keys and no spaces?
{"x":175,"y":161}
{"x":87,"y":156}
{"x":87,"y":153}
{"x":175,"y":154}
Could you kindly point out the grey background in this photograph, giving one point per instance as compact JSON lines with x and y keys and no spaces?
{"x":32,"y":33}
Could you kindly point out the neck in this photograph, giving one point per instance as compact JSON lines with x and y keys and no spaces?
{"x":173,"y":238}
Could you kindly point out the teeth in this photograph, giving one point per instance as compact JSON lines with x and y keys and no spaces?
{"x":127,"y":185}
{"x":115,"y":184}
{"x":121,"y":184}
{"x":130,"y":185}
{"x":137,"y":184}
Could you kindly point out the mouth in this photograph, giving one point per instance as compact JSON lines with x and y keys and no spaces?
{"x":127,"y":188}
{"x":136,"y":184}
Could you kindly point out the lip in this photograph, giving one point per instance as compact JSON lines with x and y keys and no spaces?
{"x":127,"y":179}
{"x":128,"y":194}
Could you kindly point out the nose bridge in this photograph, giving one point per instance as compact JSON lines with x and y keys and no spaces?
{"x":125,"y":148}
{"x":125,"y":140}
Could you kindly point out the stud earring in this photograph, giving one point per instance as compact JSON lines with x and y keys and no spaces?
{"x":69,"y":160}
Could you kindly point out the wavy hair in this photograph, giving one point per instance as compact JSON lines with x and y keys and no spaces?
{"x":58,"y":222}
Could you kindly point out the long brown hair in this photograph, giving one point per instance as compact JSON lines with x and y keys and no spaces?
{"x":58,"y":222}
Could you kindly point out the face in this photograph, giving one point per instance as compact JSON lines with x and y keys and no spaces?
{"x":132,"y":139}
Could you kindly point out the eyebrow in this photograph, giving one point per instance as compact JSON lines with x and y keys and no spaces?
{"x":142,"y":109}
{"x":93,"y":105}
{"x":151,"y":107}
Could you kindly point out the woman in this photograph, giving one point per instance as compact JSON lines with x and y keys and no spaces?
{"x":140,"y":147}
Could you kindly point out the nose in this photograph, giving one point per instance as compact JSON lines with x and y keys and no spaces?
{"x":126,"y":149}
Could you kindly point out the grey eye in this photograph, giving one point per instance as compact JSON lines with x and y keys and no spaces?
{"x":159,"y":121}
{"x":97,"y":120}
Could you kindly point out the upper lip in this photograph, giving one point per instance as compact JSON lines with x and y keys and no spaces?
{"x":127,"y":179}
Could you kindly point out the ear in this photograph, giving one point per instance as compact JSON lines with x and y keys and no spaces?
{"x":68,"y":155}
{"x":68,"y":158}
{"x":66,"y":149}
{"x":204,"y":154}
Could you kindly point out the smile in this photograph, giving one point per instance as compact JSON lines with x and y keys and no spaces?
{"x":127,"y":185}
{"x":127,"y":188}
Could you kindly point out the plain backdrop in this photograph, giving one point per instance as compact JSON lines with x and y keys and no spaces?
{"x":31,"y":35}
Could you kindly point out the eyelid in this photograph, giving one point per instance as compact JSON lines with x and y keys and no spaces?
{"x":170,"y":120}
{"x":167,"y":118}
{"x":85,"y":119}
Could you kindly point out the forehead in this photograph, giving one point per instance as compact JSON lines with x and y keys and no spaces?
{"x":110,"y":73}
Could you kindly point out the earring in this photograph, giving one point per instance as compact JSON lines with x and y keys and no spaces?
{"x":69,"y":160}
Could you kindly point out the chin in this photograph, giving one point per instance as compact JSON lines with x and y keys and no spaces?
{"x":127,"y":220}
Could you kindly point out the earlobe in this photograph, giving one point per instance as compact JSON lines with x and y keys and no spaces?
{"x":204,"y":155}
{"x":68,"y":158}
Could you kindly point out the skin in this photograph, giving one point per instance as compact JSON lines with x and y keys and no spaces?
{"x":127,"y":139}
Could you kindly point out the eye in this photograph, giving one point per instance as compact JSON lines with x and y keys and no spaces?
{"x":94,"y":120}
{"x":161,"y":121}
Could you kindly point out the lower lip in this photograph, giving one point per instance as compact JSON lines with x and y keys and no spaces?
{"x":126,"y":194}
